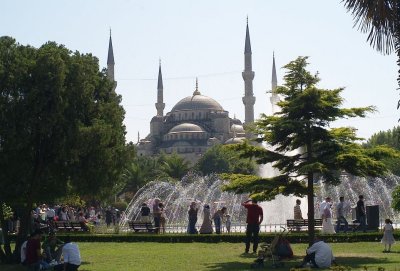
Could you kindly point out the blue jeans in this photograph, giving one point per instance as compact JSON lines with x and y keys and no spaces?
{"x":217,"y":222}
{"x":252,"y":231}
{"x":340,"y":220}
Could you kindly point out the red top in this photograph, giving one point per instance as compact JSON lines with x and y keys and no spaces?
{"x":253,"y":213}
{"x":32,"y":248}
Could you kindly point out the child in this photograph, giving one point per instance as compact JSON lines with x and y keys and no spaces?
{"x":228,"y":223}
{"x":388,"y":238}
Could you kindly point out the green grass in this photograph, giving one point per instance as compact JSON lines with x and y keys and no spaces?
{"x":220,"y":256}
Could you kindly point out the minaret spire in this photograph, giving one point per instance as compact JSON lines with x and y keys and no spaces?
{"x":248,"y":76}
{"x":274,"y":84}
{"x":111,"y":62}
{"x":196,"y":91}
{"x":160,"y":105}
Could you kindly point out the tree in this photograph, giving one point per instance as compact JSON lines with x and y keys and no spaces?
{"x":381,"y":19}
{"x":172,"y":166}
{"x":221,"y":159}
{"x":303,"y":146}
{"x":389,"y":138}
{"x":60,"y":126}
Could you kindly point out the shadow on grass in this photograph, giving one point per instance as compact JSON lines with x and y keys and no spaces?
{"x":357,"y":262}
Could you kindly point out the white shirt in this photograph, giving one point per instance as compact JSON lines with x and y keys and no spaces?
{"x":323,"y":254}
{"x":50,"y":213}
{"x":322,"y":207}
{"x":71,"y":254}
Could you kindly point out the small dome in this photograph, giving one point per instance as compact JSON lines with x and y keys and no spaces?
{"x":236,"y":140}
{"x":186,"y":127}
{"x":236,"y":121}
{"x":238,"y":129}
{"x":197,"y":102}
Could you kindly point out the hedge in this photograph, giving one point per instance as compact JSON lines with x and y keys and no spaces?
{"x":214,"y":238}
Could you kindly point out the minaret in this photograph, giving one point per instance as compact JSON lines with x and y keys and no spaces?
{"x":160,"y":105}
{"x":248,"y":76}
{"x":111,"y":62}
{"x":274,"y":83}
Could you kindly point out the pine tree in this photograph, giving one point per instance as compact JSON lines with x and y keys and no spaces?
{"x":303,"y":145}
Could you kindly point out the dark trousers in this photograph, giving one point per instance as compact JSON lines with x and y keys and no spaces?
{"x":217,"y":222}
{"x":157,"y":223}
{"x":192,"y":226}
{"x":362,"y":225}
{"x":252,"y":231}
{"x":341,"y":220}
{"x":310,"y":258}
{"x":69,"y":267}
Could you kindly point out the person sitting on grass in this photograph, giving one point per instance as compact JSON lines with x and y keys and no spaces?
{"x":52,"y":247}
{"x":319,"y":255}
{"x":71,"y":256}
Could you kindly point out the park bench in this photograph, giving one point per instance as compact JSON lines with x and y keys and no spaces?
{"x":298,"y":223}
{"x":141,"y":226}
{"x":68,"y":226}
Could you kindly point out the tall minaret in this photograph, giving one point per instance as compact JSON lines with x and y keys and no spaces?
{"x":111,"y":62}
{"x":274,"y":83}
{"x":248,"y":76}
{"x":160,"y":105}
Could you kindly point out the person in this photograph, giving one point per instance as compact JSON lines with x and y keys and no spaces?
{"x":323,"y":205}
{"x":83,"y":222}
{"x":52,"y":246}
{"x":156,"y":214}
{"x":71,"y":256}
{"x":253,"y":220}
{"x":145,"y":213}
{"x":108,"y":216}
{"x":33,"y":251}
{"x":297,"y":212}
{"x":206,"y":226}
{"x":327,"y":226}
{"x":23,"y":252}
{"x":163,"y":218}
{"x":228,"y":223}
{"x":388,"y":238}
{"x":340,"y":215}
{"x":361,"y":215}
{"x":319,"y":255}
{"x":217,"y":217}
{"x":192,"y":212}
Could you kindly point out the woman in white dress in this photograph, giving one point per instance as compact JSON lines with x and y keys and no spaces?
{"x":327,"y":226}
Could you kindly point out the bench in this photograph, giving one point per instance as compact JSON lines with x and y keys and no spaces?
{"x":141,"y":226}
{"x":68,"y":226}
{"x":298,"y":223}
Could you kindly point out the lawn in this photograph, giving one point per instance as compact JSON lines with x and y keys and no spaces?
{"x":214,"y":256}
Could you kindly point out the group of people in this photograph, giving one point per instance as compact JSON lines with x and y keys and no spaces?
{"x":159,"y":215}
{"x":219,"y":218}
{"x":37,"y":256}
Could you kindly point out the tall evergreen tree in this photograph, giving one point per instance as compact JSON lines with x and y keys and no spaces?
{"x":60,"y":126}
{"x":302,"y":144}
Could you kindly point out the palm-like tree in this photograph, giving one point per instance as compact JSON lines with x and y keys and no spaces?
{"x":381,"y":20}
{"x":173,"y":166}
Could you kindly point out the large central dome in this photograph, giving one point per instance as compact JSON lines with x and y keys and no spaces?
{"x":197,"y":102}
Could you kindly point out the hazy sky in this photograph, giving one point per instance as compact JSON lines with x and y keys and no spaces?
{"x":206,"y":39}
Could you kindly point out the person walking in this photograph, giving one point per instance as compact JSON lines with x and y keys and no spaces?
{"x":360,"y":211}
{"x":253,"y":220}
{"x":388,"y":238}
{"x":340,"y":216}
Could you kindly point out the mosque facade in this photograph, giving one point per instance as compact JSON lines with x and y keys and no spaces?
{"x":197,"y":122}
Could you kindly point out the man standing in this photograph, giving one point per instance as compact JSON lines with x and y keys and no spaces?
{"x":340,"y":215}
{"x":254,"y":219}
{"x":360,"y":211}
{"x":72,"y":255}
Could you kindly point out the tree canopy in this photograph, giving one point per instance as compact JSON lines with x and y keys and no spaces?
{"x":61,"y":125}
{"x":302,"y":144}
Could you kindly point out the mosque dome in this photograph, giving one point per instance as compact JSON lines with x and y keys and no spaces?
{"x":197,"y":102}
{"x":238,"y":129}
{"x":186,"y":127}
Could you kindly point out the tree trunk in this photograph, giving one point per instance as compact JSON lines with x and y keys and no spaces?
{"x":310,"y":199}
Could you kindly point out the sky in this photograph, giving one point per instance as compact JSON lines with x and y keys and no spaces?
{"x":205,"y":39}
